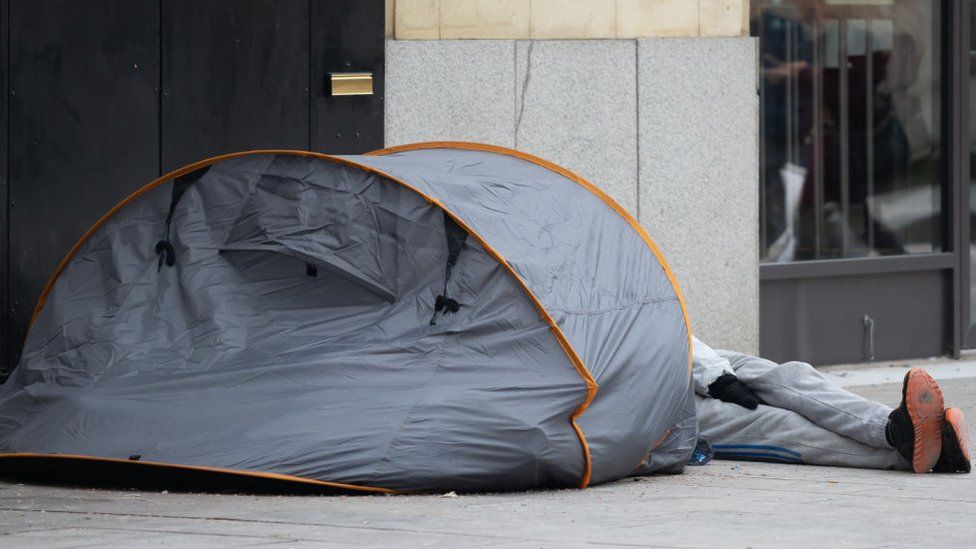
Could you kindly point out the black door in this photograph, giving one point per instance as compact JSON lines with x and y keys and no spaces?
{"x":235,"y":76}
{"x":100,"y":97}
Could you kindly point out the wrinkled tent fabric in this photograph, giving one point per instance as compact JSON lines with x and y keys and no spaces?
{"x":287,"y":314}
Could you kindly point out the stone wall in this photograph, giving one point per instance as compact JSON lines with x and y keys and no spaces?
{"x":564,"y":19}
{"x":667,"y":126}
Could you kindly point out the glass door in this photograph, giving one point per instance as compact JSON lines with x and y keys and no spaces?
{"x":858,"y":253}
{"x":851,"y":143}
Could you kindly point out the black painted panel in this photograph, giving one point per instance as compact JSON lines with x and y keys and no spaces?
{"x":347,"y":36}
{"x":83,"y":132}
{"x":235,"y":77}
{"x":4,"y":333}
{"x":87,"y":125}
{"x":821,"y":320}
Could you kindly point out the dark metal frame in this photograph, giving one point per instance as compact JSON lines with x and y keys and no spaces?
{"x":4,"y":140}
{"x":954,"y":259}
{"x":958,"y":24}
{"x":857,"y":266}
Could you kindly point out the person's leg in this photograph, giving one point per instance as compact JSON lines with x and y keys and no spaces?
{"x":774,"y":434}
{"x":798,"y":387}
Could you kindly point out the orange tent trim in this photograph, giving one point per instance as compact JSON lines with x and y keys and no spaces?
{"x":240,"y":472}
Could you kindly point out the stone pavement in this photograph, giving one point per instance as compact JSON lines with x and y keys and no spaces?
{"x":724,"y":504}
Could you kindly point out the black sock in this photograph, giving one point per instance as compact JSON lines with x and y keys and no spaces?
{"x":899,"y":431}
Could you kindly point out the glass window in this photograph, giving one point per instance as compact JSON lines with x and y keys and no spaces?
{"x":851,"y":132}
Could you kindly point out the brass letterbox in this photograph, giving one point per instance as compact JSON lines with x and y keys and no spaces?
{"x":351,"y":83}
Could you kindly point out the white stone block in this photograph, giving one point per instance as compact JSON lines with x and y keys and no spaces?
{"x":450,"y":91}
{"x":699,"y":177}
{"x":576,"y":105}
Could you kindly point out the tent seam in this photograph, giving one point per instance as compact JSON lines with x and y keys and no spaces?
{"x":651,"y":301}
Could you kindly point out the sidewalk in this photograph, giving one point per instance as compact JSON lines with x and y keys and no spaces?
{"x":724,"y":504}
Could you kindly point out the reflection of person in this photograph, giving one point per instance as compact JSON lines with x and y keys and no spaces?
{"x":802,"y":136}
{"x":780,"y":66}
{"x":754,"y":409}
{"x":883,"y":143}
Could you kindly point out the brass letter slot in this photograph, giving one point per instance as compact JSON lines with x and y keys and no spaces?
{"x":351,"y":83}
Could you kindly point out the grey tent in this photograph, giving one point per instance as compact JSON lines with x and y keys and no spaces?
{"x":442,"y":316}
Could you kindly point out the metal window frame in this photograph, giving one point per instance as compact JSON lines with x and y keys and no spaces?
{"x":858,"y":266}
{"x":956,"y":95}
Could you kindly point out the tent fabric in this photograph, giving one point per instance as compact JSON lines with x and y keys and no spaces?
{"x":433,"y":317}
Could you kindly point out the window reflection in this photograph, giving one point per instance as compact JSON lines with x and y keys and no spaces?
{"x":850,"y":129}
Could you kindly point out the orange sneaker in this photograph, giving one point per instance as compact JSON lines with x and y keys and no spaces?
{"x":915,"y":427}
{"x":922,"y":399}
{"x":955,"y":444}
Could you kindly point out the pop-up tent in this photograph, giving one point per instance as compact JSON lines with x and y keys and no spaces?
{"x":444,"y":316}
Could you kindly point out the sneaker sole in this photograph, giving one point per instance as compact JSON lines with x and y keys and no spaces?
{"x":926,"y":407}
{"x":957,"y":425}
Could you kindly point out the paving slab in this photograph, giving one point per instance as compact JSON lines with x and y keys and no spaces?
{"x":723,"y":504}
